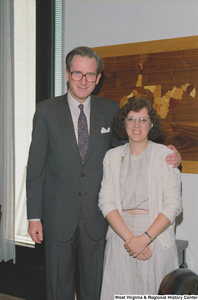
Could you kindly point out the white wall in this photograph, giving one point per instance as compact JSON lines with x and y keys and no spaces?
{"x":108,"y":22}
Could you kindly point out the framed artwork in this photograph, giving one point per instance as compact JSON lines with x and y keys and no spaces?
{"x":166,"y":73}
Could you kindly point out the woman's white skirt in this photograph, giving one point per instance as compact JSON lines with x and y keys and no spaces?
{"x":125,"y":275}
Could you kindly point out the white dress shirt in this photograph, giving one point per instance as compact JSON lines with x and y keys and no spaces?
{"x":75,"y":112}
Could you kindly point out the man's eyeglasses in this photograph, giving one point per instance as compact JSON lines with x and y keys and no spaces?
{"x":77,"y":76}
{"x":141,"y":121}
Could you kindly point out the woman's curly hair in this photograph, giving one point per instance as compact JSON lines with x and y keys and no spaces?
{"x":136,"y":104}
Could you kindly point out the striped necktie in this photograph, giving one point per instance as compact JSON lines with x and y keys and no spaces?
{"x":83,"y":136}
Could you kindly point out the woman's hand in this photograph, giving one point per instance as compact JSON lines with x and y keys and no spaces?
{"x":137,"y":244}
{"x":145,"y":254}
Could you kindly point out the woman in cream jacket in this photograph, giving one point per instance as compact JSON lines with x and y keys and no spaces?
{"x":140,"y":197}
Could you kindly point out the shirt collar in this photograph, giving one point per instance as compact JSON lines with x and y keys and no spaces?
{"x":73,"y":103}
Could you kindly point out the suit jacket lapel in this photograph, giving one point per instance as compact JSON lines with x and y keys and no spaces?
{"x":96,"y":122}
{"x":64,"y":119}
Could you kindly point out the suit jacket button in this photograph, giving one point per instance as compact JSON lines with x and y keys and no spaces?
{"x":79,"y":194}
{"x":82,"y":174}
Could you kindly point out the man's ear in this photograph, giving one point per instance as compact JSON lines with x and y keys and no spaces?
{"x":98,"y":78}
{"x":67,"y":74}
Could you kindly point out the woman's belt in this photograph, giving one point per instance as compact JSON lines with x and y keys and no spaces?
{"x":136,"y":211}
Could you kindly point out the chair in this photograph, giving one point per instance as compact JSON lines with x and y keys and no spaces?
{"x":179,"y":282}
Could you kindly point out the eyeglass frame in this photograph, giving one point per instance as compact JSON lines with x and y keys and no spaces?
{"x":133,"y":121}
{"x":83,"y":76}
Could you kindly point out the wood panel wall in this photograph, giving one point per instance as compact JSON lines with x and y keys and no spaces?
{"x":166,"y":64}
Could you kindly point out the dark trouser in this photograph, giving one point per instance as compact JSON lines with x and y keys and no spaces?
{"x":61,"y":261}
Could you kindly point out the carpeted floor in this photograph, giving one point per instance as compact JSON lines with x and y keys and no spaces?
{"x":22,"y":281}
{"x":26,"y":279}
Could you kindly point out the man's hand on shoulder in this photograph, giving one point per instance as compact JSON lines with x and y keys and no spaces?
{"x":35,"y":231}
{"x":173,"y":159}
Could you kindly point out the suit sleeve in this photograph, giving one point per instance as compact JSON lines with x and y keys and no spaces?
{"x":36,"y":166}
{"x":171,"y":191}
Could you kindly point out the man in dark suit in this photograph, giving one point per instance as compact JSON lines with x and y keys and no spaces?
{"x":63,"y":179}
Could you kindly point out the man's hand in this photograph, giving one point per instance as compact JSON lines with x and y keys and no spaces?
{"x":35,"y":231}
{"x":173,"y":159}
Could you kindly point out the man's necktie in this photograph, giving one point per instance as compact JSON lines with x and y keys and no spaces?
{"x":83,"y":136}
